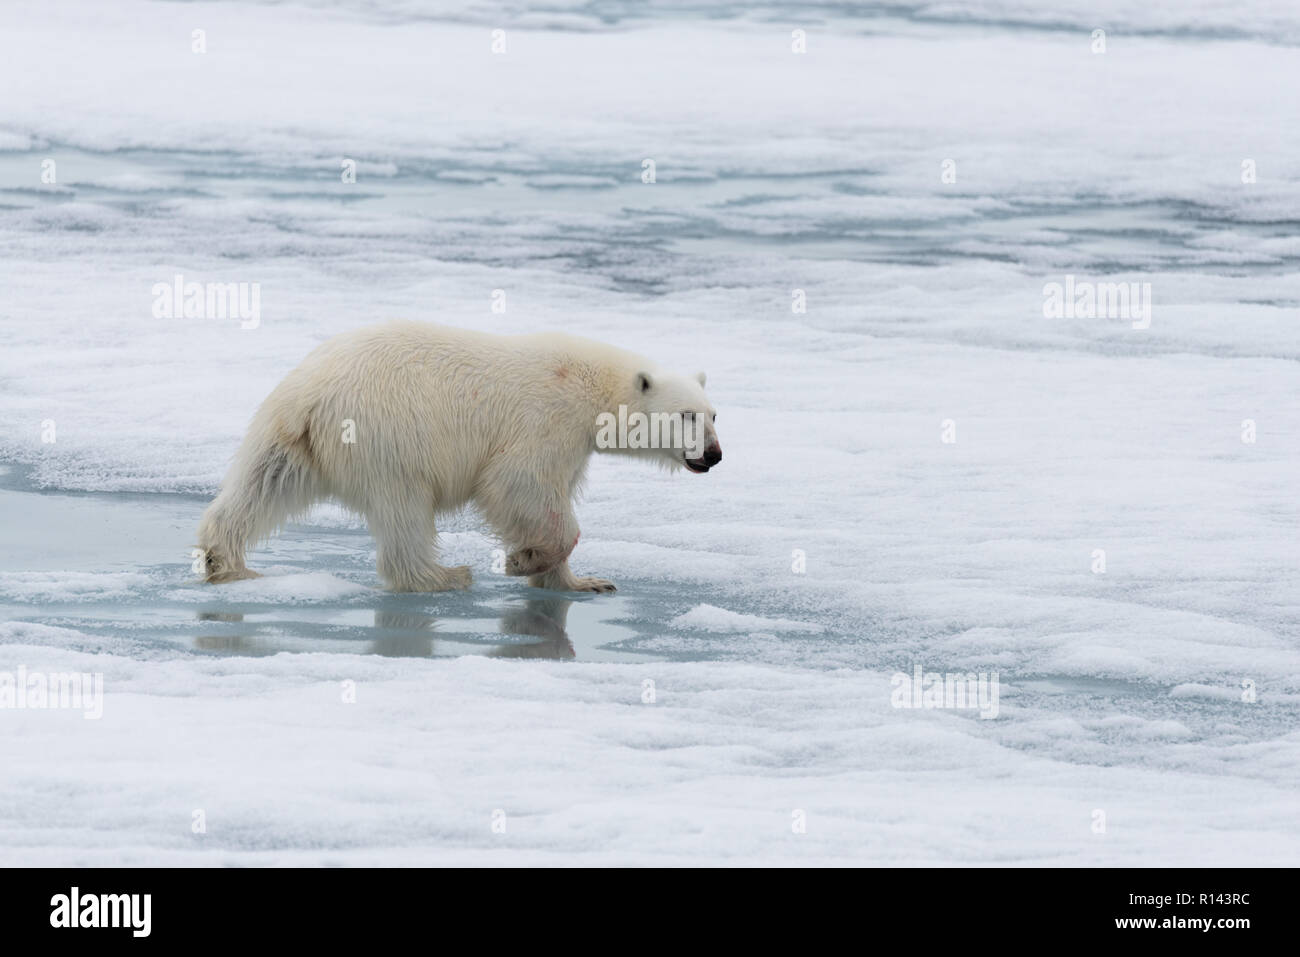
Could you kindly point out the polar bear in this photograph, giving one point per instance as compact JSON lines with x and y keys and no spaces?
{"x":407,"y":420}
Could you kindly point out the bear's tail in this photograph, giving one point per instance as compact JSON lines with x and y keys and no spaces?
{"x":270,"y":482}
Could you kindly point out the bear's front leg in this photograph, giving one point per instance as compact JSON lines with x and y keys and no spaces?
{"x":544,"y":571}
{"x":405,"y":536}
{"x":538,"y":523}
{"x":537,"y":559}
{"x":560,"y":578}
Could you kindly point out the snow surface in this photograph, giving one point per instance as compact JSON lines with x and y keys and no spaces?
{"x":1120,"y":691}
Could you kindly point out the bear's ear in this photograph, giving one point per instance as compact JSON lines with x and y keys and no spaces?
{"x":701,"y":378}
{"x":643,"y":381}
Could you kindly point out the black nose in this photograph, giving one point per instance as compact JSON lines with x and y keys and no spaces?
{"x":713,"y":455}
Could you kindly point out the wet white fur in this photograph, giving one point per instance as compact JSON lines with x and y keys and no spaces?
{"x":443,"y":417}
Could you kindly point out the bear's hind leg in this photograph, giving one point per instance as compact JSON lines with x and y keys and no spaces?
{"x":267,"y":485}
{"x":406,"y":558}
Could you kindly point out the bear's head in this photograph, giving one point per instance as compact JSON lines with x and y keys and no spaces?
{"x":667,"y":418}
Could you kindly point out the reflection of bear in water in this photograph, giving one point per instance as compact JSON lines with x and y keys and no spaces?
{"x":407,"y":420}
{"x":545,"y":618}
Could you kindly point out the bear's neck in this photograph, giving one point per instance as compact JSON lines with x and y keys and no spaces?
{"x":606,"y":390}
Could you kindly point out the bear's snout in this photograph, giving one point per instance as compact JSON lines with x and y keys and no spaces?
{"x":711,"y":457}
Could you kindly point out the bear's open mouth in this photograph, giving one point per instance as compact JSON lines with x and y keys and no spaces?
{"x":696,"y":465}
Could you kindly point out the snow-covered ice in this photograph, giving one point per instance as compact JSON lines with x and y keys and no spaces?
{"x":690,"y":717}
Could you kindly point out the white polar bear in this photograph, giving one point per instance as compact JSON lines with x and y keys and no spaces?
{"x":406,"y":420}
